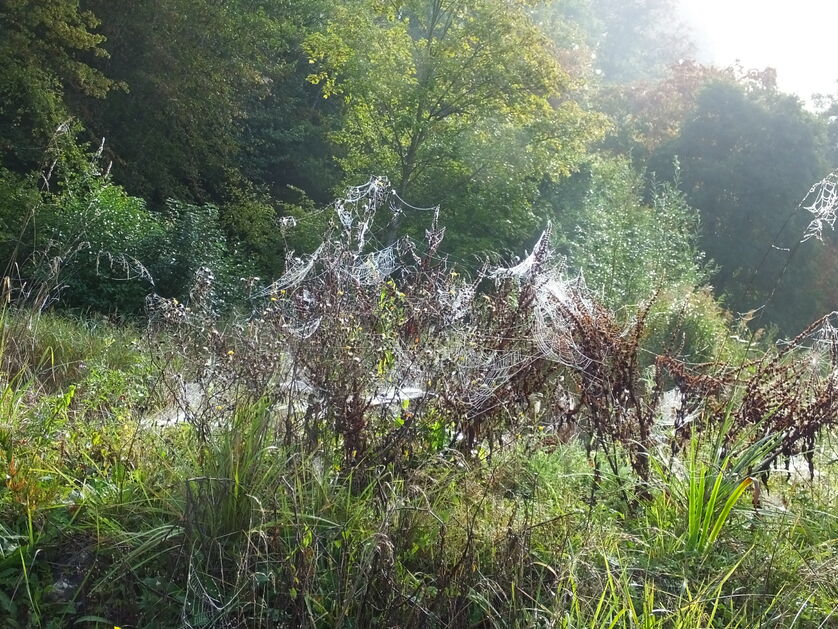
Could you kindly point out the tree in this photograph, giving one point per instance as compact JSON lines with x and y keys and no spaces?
{"x":748,"y":154}
{"x":285,"y":144}
{"x":456,"y":101}
{"x":647,"y":114}
{"x":626,"y":40}
{"x":827,"y":107}
{"x":193,"y":70}
{"x":639,"y":39}
{"x":47,"y":47}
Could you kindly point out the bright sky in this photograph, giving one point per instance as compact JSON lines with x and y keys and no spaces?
{"x":797,"y":37}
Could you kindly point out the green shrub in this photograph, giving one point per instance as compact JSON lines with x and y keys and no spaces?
{"x":103,"y":239}
{"x":253,"y":230}
{"x":18,"y":197}
{"x":628,"y":247}
{"x":193,"y":240}
{"x":85,"y":242}
{"x":687,"y":323}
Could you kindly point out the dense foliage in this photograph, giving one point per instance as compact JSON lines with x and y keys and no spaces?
{"x":355,"y":454}
{"x":259,"y":111}
{"x":227,"y":400}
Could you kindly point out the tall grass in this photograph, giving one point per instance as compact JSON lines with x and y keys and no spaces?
{"x":241,"y":529}
{"x":427,"y":452}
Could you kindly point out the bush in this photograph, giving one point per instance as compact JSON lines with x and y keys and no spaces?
{"x":84,"y":241}
{"x":103,"y":241}
{"x":194,"y":240}
{"x":18,"y":197}
{"x":253,"y":230}
{"x":625,"y":247}
{"x":689,"y":324}
{"x":384,"y":445}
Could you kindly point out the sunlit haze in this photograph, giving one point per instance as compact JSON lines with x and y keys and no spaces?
{"x":797,"y":38}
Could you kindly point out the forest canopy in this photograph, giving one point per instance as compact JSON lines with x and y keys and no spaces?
{"x":171,"y":135}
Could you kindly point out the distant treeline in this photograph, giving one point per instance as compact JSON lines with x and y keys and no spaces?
{"x":220,"y":118}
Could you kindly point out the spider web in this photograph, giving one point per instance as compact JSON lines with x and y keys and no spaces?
{"x":479,"y":363}
{"x":822,"y":205}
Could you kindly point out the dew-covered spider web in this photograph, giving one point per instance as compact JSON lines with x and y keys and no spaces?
{"x":479,"y":363}
{"x":822,"y":203}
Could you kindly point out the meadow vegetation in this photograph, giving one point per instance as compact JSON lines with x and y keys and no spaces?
{"x":597,"y":386}
{"x":384,"y":441}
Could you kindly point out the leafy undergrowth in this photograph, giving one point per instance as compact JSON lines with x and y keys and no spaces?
{"x":108,"y":519}
{"x":383,"y":442}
